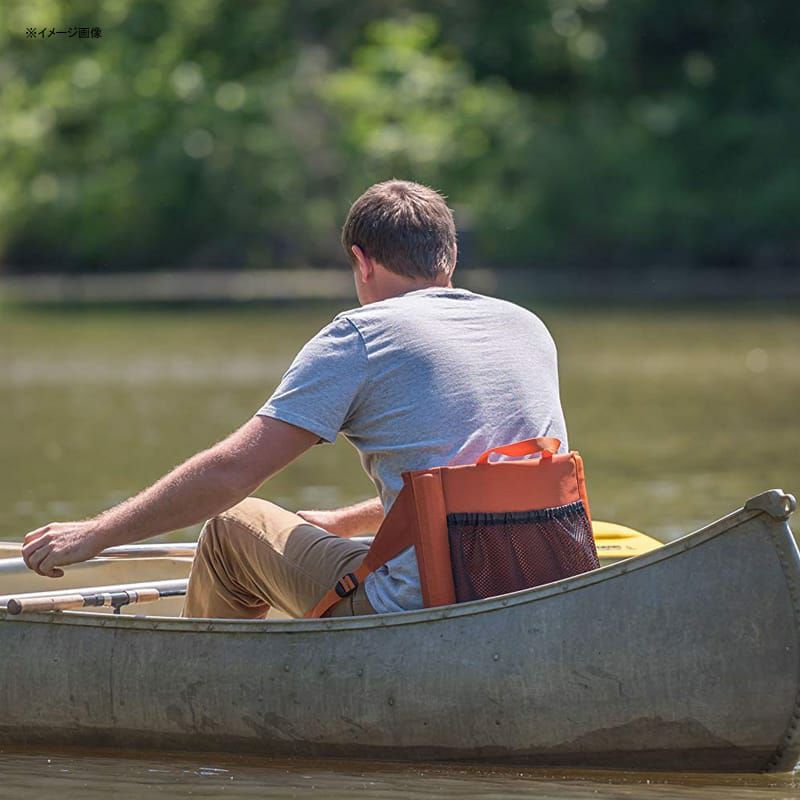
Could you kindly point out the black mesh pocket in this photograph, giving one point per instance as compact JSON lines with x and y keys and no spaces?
{"x":494,"y":554}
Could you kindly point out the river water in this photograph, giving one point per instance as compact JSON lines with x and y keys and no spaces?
{"x":681,"y":415}
{"x":81,"y":775}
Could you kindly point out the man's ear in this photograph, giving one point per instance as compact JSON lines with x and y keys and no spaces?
{"x":363,"y":264}
{"x":455,"y":261}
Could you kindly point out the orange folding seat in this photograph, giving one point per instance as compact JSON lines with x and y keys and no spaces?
{"x":488,"y":528}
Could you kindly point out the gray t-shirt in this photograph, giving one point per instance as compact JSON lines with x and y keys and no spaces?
{"x":430,"y":378}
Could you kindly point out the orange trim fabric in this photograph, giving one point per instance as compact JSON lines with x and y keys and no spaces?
{"x":526,"y":447}
{"x":582,"y":484}
{"x":432,"y":543}
{"x":512,"y":485}
{"x":399,"y":529}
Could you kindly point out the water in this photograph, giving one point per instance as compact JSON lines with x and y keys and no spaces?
{"x":680,"y":416}
{"x":84,"y":775}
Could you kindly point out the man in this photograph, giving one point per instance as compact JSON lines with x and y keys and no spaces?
{"x":421,"y":375}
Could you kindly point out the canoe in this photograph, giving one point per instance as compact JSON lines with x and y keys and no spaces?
{"x":683,"y":658}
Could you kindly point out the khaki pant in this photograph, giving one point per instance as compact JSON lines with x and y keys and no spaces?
{"x":257,"y":555}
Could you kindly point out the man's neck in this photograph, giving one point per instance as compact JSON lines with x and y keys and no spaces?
{"x":399,"y":285}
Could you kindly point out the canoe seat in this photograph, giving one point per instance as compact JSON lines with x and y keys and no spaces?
{"x":489,"y":528}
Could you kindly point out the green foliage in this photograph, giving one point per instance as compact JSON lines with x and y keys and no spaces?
{"x":224,"y":133}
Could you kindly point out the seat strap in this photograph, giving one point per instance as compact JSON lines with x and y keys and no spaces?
{"x":344,"y":587}
{"x":395,"y":535}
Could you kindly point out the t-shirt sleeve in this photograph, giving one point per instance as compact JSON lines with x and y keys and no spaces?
{"x":320,"y":389}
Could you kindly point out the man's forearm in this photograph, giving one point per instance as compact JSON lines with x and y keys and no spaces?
{"x":201,"y":487}
{"x":362,"y":518}
{"x":205,"y":485}
{"x":355,"y":520}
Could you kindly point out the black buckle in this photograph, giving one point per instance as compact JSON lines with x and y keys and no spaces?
{"x":347,"y":585}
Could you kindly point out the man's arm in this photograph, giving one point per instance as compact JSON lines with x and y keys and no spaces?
{"x":354,"y":520}
{"x":207,"y":484}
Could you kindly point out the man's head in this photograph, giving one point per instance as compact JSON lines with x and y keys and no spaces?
{"x":399,"y":236}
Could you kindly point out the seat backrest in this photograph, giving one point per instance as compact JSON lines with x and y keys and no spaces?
{"x":487,"y":528}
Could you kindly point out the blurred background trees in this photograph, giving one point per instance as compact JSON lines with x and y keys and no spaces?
{"x":231,"y":134}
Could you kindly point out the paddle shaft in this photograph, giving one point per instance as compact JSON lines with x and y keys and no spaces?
{"x":176,"y":550}
{"x":612,"y":541}
{"x":157,"y":550}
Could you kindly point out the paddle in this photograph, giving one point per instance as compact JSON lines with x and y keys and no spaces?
{"x":618,"y":542}
{"x":612,"y":541}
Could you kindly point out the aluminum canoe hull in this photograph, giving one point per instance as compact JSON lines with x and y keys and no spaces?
{"x":685,"y":658}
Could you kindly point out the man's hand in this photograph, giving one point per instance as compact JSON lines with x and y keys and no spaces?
{"x":332,"y":521}
{"x":58,"y":544}
{"x":357,"y":520}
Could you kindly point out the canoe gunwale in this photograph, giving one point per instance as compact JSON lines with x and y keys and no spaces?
{"x":771,"y":504}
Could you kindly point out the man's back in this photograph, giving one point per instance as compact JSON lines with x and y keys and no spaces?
{"x":430,"y":378}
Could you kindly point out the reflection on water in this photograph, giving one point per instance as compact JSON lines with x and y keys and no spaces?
{"x":81,"y":775}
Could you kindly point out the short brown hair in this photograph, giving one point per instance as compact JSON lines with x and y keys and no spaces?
{"x":406,"y":227}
